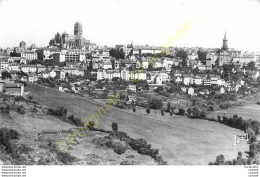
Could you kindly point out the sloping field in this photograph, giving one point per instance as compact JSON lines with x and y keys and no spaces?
{"x":248,"y":111}
{"x":181,"y":141}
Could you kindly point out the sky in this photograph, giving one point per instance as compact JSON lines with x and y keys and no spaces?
{"x":153,"y":22}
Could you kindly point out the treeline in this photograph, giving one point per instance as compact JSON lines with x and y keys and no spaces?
{"x":254,"y":149}
{"x":61,"y":113}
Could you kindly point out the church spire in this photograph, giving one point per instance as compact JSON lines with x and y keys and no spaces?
{"x":225,"y":36}
{"x":225,"y":42}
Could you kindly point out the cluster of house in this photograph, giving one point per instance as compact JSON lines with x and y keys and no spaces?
{"x":34,"y":72}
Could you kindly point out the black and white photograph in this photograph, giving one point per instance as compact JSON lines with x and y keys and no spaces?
{"x":129,"y":87}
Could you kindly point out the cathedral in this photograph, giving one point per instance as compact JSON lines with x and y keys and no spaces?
{"x":66,"y":41}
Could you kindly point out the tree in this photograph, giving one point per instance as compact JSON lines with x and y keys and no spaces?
{"x":251,"y":65}
{"x":148,"y":110}
{"x":203,"y":114}
{"x":189,"y":111}
{"x":162,"y":112}
{"x":168,"y":107}
{"x":117,"y":53}
{"x":220,"y":159}
{"x":6,"y":75}
{"x":183,"y":55}
{"x":155,"y":104}
{"x":114,"y":127}
{"x":159,"y":89}
{"x":181,"y":111}
{"x":253,"y":139}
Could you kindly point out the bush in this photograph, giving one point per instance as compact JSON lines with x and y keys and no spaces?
{"x":59,"y":111}
{"x":253,"y":139}
{"x":6,"y":135}
{"x":66,"y":159}
{"x":223,"y":106}
{"x":114,"y":127}
{"x":162,"y":113}
{"x":181,"y":111}
{"x":116,"y":146}
{"x":219,"y":118}
{"x":75,"y":121}
{"x":148,"y":110}
{"x":255,"y":127}
{"x":21,"y":110}
{"x":203,"y":114}
{"x":220,"y":160}
{"x":239,"y":154}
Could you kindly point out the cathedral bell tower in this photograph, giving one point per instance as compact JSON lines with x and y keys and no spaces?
{"x":225,"y":43}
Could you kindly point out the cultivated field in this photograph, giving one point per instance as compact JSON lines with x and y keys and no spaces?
{"x":181,"y":141}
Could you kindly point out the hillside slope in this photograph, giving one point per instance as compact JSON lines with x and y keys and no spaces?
{"x":41,"y":133}
{"x":181,"y":141}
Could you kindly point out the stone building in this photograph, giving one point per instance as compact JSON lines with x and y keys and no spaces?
{"x":76,"y":41}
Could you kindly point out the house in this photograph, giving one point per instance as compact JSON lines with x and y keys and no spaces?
{"x":32,"y":77}
{"x":4,"y":64}
{"x":131,"y":98}
{"x":29,"y":68}
{"x":187,"y":79}
{"x":221,"y":90}
{"x":187,"y":90}
{"x":14,"y":67}
{"x":52,"y":74}
{"x":255,"y":74}
{"x":132,"y":88}
{"x":16,"y":89}
{"x":190,"y":91}
{"x":45,"y":74}
{"x":60,"y":74}
{"x":40,"y":68}
{"x":107,"y":65}
{"x":158,"y":80}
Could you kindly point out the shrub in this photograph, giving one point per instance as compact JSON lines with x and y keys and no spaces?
{"x":223,"y":106}
{"x":162,"y":113}
{"x":189,"y":111}
{"x":66,"y":159}
{"x":114,"y":127}
{"x":211,"y":108}
{"x":21,"y":110}
{"x":219,"y":118}
{"x":225,"y":119}
{"x":234,"y":161}
{"x":252,"y":154}
{"x":255,"y":127}
{"x":116,"y":146}
{"x":220,"y":160}
{"x":203,"y":114}
{"x":253,"y":139}
{"x":75,"y":121}
{"x":59,"y":111}
{"x":6,"y":135}
{"x":181,"y":111}
{"x":239,"y":154}
{"x":91,"y":124}
{"x":148,"y":110}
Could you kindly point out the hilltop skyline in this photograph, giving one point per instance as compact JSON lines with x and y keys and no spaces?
{"x":122,"y":22}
